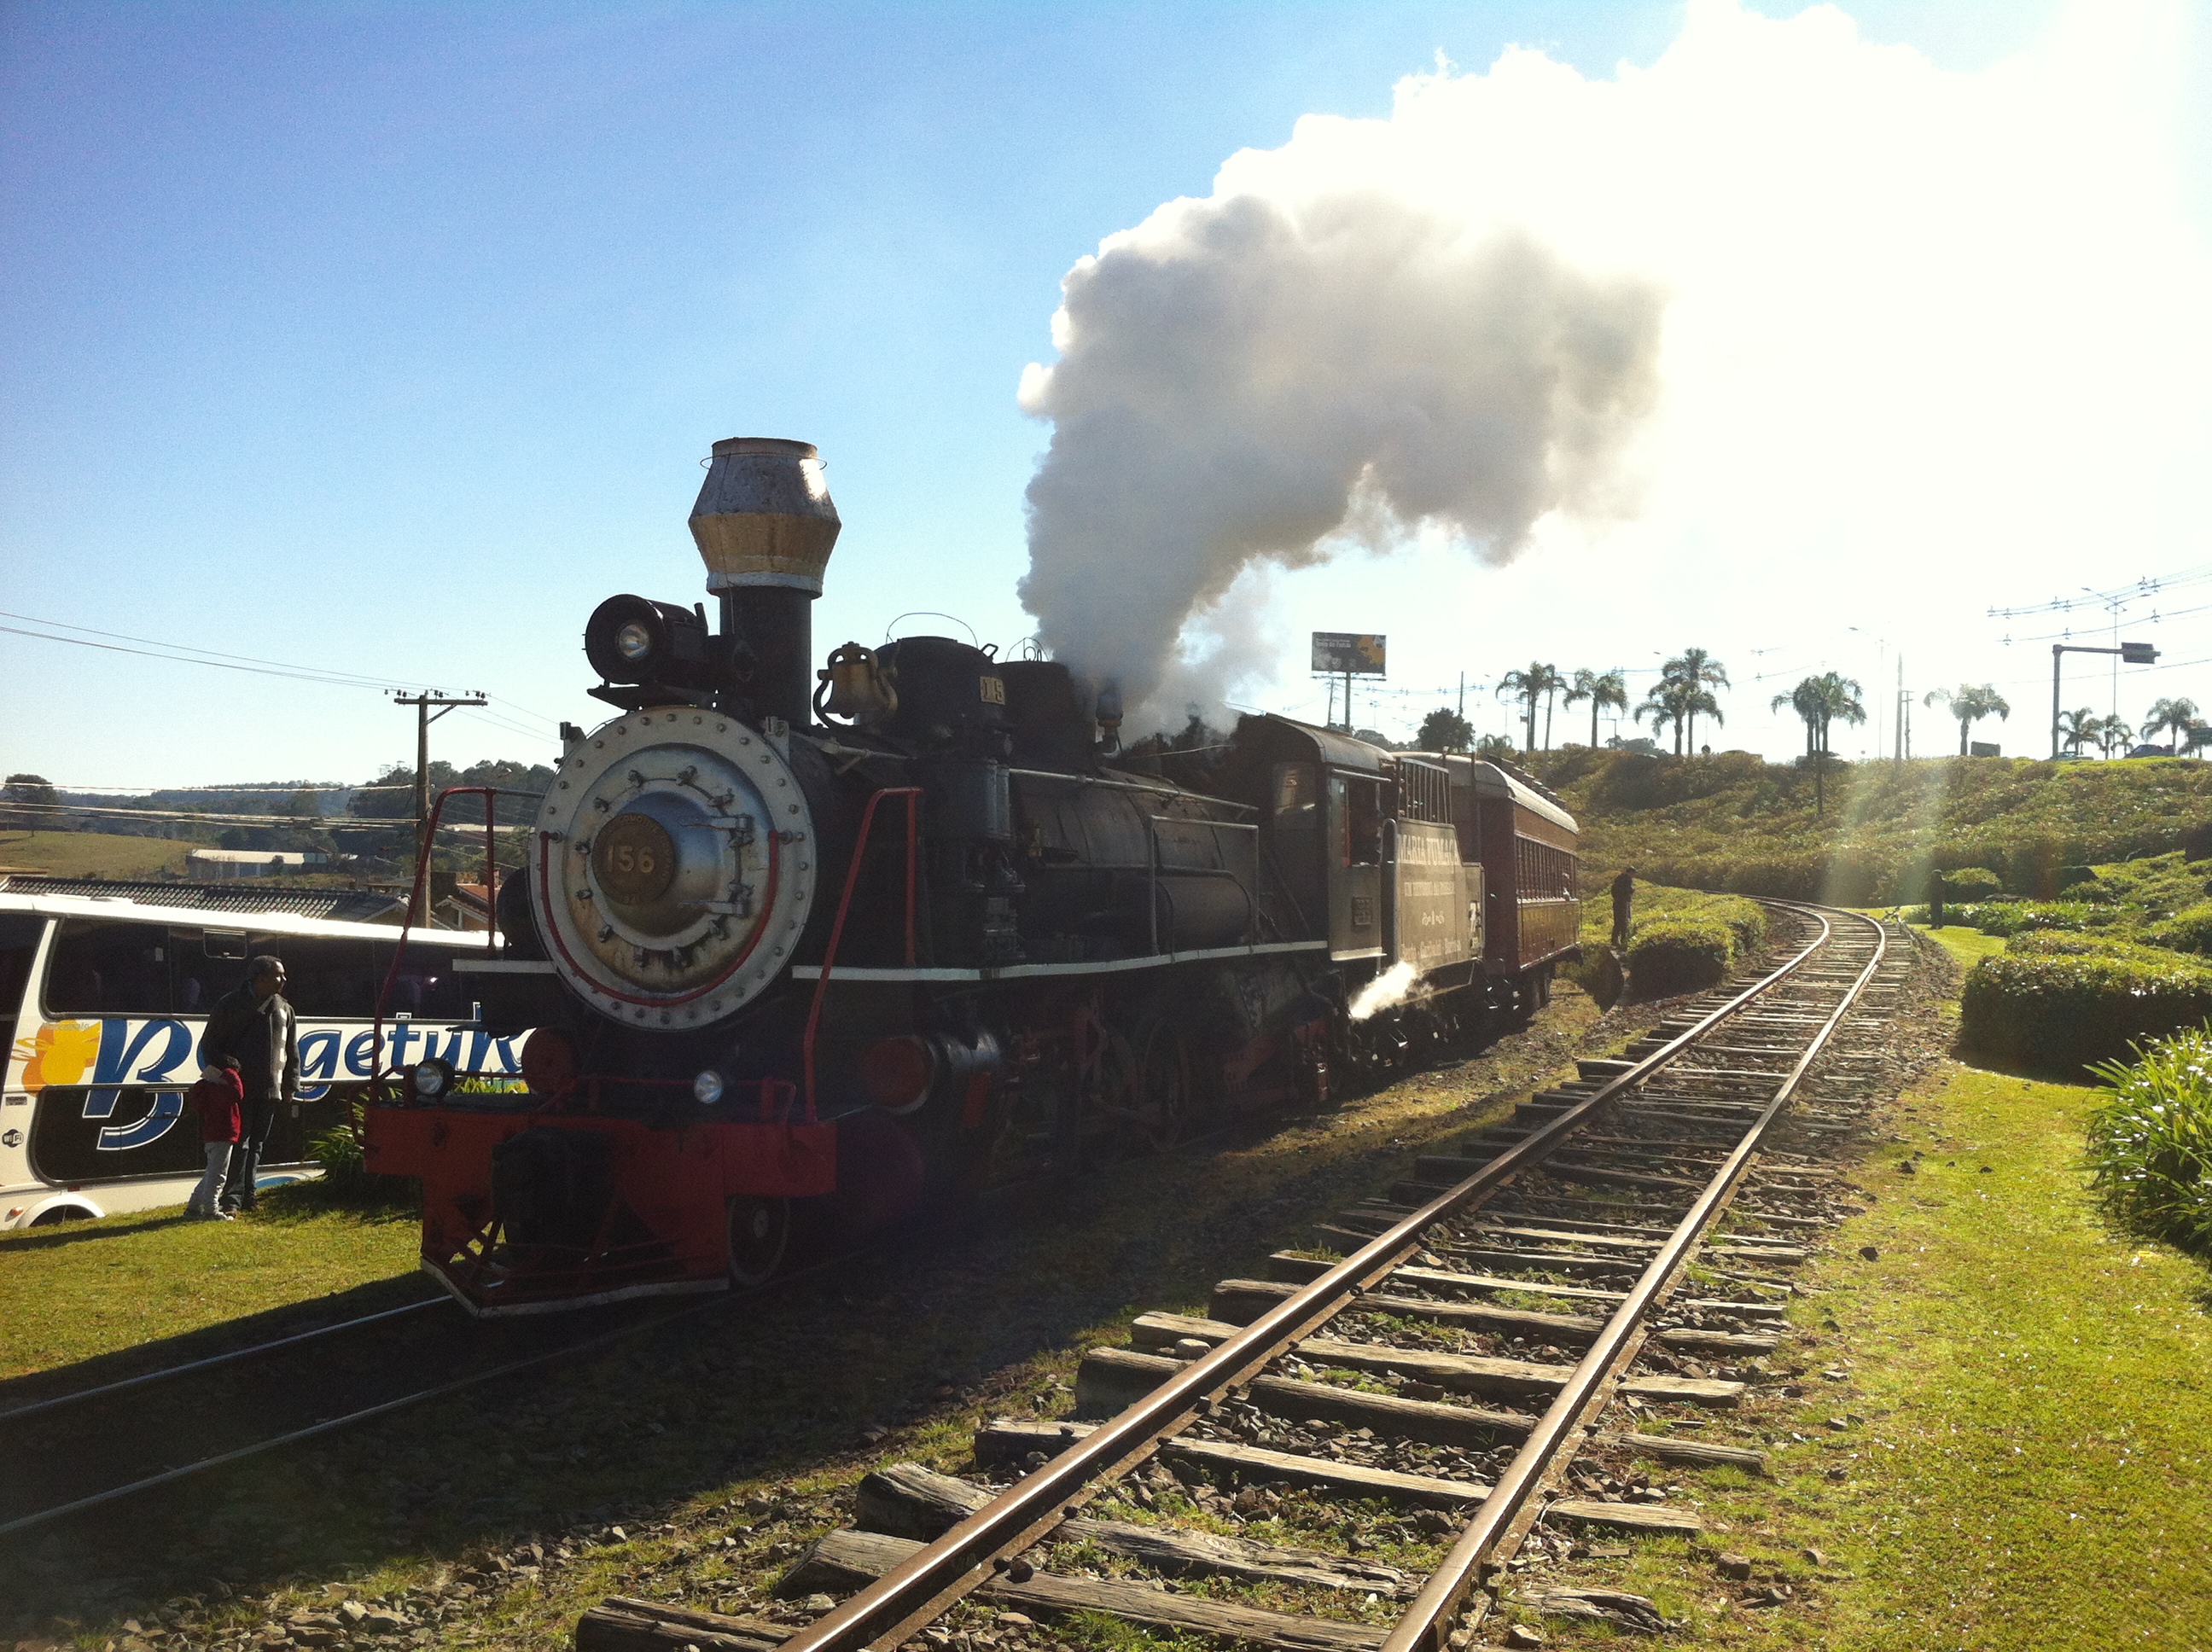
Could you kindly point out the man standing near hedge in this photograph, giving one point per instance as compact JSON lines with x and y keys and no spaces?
{"x":255,"y":1025}
{"x":1624,"y":902}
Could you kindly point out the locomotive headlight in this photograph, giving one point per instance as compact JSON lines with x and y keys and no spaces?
{"x":708,"y":1087}
{"x":635,"y":640}
{"x":429,"y":1080}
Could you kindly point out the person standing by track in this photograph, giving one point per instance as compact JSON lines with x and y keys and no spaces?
{"x":255,"y":1025}
{"x":1624,"y":903}
{"x":219,"y":1099}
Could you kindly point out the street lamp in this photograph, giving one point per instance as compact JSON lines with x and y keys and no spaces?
{"x":1882,"y":646}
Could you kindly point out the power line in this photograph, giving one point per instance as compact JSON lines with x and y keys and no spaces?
{"x":2147,"y":586}
{"x":304,"y":823}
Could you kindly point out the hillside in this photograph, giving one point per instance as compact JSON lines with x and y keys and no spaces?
{"x":87,"y":855}
{"x":1734,"y":821}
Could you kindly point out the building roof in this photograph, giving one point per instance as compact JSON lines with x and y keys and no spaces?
{"x":256,"y":896}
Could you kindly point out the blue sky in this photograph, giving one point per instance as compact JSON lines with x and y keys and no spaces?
{"x":387,"y":339}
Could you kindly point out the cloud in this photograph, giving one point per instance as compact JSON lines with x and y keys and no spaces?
{"x":1786,"y":317}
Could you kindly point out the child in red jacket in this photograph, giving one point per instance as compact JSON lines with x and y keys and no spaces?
{"x":219,"y":1098}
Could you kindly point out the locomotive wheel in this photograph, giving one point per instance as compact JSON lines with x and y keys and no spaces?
{"x":760,"y":1233}
{"x":1106,"y":1104}
{"x":1163,"y":1093}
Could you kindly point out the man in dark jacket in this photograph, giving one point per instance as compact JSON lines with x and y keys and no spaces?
{"x":1624,"y":905}
{"x":256,"y":1026}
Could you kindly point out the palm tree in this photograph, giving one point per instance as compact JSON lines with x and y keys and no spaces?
{"x":1700,"y":702}
{"x":1821,"y":701}
{"x":2110,"y":732}
{"x":1970,"y":702}
{"x":1601,"y":690}
{"x":1699,"y":671}
{"x":2077,"y":728}
{"x":1539,"y":682}
{"x":2176,"y":714}
{"x":1661,"y":704}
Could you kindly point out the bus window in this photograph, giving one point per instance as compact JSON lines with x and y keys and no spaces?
{"x":426,"y":987}
{"x":327,"y":976}
{"x":18,"y":945}
{"x":109,"y":968}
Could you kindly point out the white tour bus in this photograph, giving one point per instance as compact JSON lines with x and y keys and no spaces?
{"x":103,"y":999}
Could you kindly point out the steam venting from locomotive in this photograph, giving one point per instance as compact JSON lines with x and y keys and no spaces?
{"x":1266,"y":375}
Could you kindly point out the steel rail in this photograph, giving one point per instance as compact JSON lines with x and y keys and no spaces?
{"x":368,"y":1412}
{"x":926,"y":1583}
{"x":1426,"y":1622}
{"x":168,"y":1371}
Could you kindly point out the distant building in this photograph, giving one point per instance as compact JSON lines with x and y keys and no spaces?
{"x":466,"y":908}
{"x":226,"y":864}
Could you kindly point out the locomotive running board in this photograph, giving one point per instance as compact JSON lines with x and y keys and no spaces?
{"x":1018,"y":971}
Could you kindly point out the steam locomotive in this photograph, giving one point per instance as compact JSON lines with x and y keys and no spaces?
{"x":842,"y":941}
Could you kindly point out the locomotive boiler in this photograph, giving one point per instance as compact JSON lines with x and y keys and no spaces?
{"x":843,"y":941}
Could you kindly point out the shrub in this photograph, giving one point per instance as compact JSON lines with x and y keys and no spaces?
{"x":1973,"y":884}
{"x":1670,"y":956}
{"x":2150,"y":1141}
{"x":2065,"y":1012}
{"x":2009,"y":918}
{"x":2188,"y":930}
{"x":2060,"y":943}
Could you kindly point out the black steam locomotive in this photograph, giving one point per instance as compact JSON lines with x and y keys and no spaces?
{"x":863,"y":935}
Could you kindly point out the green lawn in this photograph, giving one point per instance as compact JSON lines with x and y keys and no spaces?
{"x":1969,"y":946}
{"x":2036,"y":1470}
{"x":72,"y":1292}
{"x":82,"y":855}
{"x":2013,"y":1451}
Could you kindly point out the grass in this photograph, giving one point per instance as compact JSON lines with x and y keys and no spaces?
{"x":1968,"y":946}
{"x":85,"y":1289}
{"x":753,"y":1421}
{"x":2024,"y":1459}
{"x":87,"y":855}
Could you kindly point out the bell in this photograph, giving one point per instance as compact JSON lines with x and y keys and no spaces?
{"x":855,"y":687}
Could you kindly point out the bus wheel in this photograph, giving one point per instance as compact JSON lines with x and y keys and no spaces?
{"x":760,"y":1233}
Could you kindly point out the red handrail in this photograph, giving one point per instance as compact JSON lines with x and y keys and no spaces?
{"x":913,"y":796}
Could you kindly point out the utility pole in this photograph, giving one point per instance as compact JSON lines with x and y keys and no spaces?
{"x":417,"y":913}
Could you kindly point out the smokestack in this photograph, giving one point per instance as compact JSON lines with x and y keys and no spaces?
{"x":765,"y":525}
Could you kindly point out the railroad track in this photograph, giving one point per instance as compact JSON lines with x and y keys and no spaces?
{"x":64,"y":1453}
{"x":1479,"y":1356}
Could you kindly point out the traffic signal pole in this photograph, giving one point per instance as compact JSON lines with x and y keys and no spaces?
{"x":2130,"y":653}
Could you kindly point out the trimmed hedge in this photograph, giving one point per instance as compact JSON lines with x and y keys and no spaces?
{"x":2060,"y":943}
{"x":1686,"y":950}
{"x":2066,"y":1011}
{"x":2188,"y":930}
{"x":1970,"y":884}
{"x":2009,"y":918}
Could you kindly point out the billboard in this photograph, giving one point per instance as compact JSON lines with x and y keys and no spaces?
{"x":1345,"y":653}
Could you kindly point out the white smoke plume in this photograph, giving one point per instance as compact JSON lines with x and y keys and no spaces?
{"x":1293,"y":365}
{"x":1386,"y":992}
